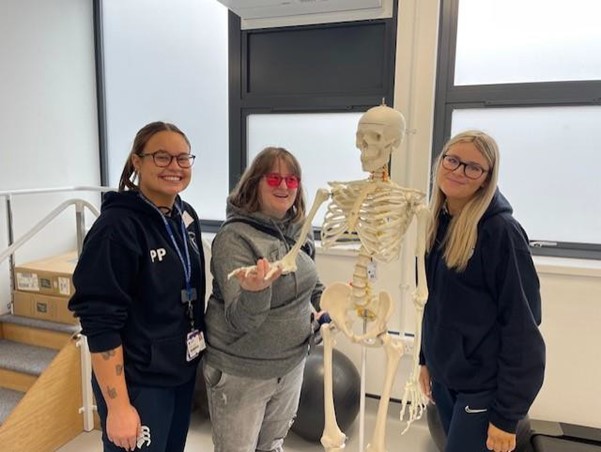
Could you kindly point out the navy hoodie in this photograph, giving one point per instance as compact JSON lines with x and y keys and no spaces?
{"x":481,"y":325}
{"x":128,"y":284}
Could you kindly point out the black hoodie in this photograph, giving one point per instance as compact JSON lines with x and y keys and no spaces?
{"x":481,"y":325}
{"x":128,"y":284}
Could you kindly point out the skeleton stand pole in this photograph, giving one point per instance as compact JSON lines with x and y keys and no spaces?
{"x":362,"y":393}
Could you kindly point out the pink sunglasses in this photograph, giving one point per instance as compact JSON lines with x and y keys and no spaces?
{"x":274,"y":180}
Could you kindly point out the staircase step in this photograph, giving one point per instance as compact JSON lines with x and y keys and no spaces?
{"x":40,"y":324}
{"x":8,"y":400}
{"x":23,"y":358}
{"x":36,"y":332}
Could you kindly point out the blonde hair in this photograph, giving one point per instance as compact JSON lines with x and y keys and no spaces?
{"x":246,"y":193}
{"x":462,"y":234}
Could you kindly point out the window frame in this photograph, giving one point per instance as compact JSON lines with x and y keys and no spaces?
{"x":450,"y":97}
{"x":100,"y":91}
{"x":242,"y":104}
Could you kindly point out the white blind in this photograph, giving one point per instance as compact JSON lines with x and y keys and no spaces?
{"x":168,"y":61}
{"x":514,"y":41}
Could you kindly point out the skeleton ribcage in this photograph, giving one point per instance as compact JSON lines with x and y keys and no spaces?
{"x":377,"y":213}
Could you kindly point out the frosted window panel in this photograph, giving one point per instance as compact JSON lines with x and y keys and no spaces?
{"x":168,"y":61}
{"x":550,"y":164}
{"x":516,"y":41}
{"x":323,"y":143}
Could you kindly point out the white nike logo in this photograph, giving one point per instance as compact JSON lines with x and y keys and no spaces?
{"x":473,"y":411}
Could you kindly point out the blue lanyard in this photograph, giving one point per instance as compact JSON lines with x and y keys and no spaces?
{"x":185,"y":263}
{"x":187,"y":266}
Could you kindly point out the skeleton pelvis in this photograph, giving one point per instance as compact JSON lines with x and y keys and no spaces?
{"x":338,"y":301}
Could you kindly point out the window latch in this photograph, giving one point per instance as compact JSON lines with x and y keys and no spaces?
{"x":542,"y":243}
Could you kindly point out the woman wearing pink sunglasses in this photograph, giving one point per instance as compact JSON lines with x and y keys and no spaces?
{"x":258,"y":329}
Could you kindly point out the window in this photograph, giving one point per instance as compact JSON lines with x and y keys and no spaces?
{"x":529,"y":74}
{"x":304,"y":88}
{"x":166,"y":61}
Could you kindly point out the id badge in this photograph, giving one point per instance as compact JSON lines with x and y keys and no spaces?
{"x":195,"y":343}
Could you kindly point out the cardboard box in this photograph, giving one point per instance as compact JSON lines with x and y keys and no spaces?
{"x":50,"y":276}
{"x":43,"y":307}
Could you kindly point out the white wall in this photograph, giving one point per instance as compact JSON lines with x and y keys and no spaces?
{"x":48,"y":125}
{"x":47,"y":118}
{"x":571,"y":293}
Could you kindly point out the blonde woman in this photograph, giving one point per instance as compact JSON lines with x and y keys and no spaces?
{"x":483,"y":356}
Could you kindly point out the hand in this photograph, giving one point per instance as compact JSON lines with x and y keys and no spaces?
{"x":500,"y":440}
{"x":425,"y":383}
{"x":322,"y":317}
{"x":123,"y":427}
{"x":255,"y":279}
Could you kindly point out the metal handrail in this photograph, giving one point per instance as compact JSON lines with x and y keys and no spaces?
{"x":10,"y":194}
{"x":34,"y":191}
{"x":88,"y":407}
{"x":79,"y":203}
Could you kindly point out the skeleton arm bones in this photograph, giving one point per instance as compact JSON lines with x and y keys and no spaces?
{"x":288,"y":263}
{"x":420,"y":296}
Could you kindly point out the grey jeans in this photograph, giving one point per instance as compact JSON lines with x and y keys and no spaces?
{"x":251,"y":415}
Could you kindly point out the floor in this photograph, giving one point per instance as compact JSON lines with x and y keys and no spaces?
{"x":417,"y":439}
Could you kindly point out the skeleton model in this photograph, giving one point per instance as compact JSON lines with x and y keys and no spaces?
{"x":378,"y":212}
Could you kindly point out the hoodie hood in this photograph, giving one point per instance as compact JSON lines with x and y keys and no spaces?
{"x":130,"y":200}
{"x":498,"y":205}
{"x":284,"y":227}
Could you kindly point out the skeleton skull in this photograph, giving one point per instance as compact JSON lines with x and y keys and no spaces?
{"x":380,"y":131}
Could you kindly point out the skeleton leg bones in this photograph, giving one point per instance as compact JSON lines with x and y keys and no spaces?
{"x":394,"y":350}
{"x":332,"y":439}
{"x":339,"y":302}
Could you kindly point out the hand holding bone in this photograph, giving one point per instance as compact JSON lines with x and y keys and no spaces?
{"x":288,"y":263}
{"x":282,"y":267}
{"x":256,"y":277}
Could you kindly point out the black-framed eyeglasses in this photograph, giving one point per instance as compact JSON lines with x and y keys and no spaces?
{"x":471,"y":170}
{"x":163,"y":159}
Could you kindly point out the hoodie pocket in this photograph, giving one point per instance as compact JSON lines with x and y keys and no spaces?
{"x":279,"y":338}
{"x":448,"y":354}
{"x":168,"y":356}
{"x":213,"y":377}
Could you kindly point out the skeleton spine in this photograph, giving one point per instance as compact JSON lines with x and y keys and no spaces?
{"x":360,"y":283}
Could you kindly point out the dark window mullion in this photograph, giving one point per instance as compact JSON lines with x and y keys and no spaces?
{"x":445,"y":72}
{"x":236,"y":152}
{"x":585,"y":251}
{"x":303,"y":103}
{"x":544,"y":93}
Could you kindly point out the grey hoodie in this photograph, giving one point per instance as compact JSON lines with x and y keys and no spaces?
{"x":259,"y":334}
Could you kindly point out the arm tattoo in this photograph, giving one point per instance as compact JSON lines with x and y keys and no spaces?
{"x":119,"y":369}
{"x":107,"y":355}
{"x":111,"y":392}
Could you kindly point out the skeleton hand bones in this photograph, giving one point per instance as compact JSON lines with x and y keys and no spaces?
{"x":257,"y":277}
{"x":282,"y":267}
